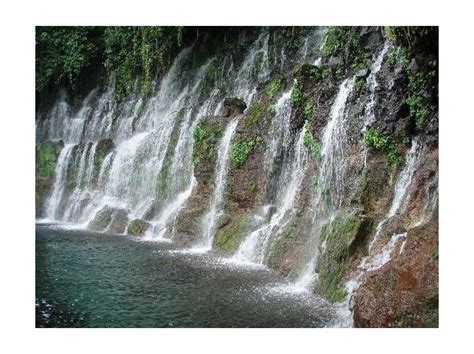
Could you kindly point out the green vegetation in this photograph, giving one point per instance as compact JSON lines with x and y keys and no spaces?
{"x":398,"y":56}
{"x":419,"y":43}
{"x":241,"y":150}
{"x":137,"y":227}
{"x":46,"y":158}
{"x":257,"y":64}
{"x":206,"y":135}
{"x":336,"y":40}
{"x":163,"y":180}
{"x":377,"y":141}
{"x":297,"y":96}
{"x":338,"y":235}
{"x":310,"y":142}
{"x":229,"y":237}
{"x":63,"y":54}
{"x":251,"y":187}
{"x":419,"y":83}
{"x":359,"y":83}
{"x":316,"y":73}
{"x":235,"y":102}
{"x":274,"y":87}
{"x":339,"y":73}
{"x":255,"y":114}
{"x":308,"y":110}
{"x":284,"y":241}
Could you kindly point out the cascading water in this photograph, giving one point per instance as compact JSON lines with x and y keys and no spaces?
{"x":331,"y":178}
{"x":402,"y":185}
{"x":254,"y":248}
{"x":210,"y":220}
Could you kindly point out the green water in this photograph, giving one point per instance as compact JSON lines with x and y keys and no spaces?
{"x":86,"y":279}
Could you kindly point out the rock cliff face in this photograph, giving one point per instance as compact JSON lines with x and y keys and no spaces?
{"x":332,"y":174}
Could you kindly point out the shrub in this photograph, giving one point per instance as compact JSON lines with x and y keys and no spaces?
{"x":376,"y":140}
{"x":274,"y":87}
{"x":205,"y":136}
{"x":297,"y":96}
{"x":240,"y":151}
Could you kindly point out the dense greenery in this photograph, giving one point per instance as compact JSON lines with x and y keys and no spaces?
{"x":337,"y":38}
{"x":274,"y":87}
{"x":377,"y":141}
{"x":46,"y":157}
{"x":231,"y":235}
{"x":241,"y":150}
{"x":297,"y":95}
{"x":206,"y":136}
{"x":417,"y":45}
{"x":63,"y":54}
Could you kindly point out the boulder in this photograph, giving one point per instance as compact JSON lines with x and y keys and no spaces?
{"x":119,"y":221}
{"x":102,"y":219}
{"x":138,"y":227}
{"x":233,"y":106}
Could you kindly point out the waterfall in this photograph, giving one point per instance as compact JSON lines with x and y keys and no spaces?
{"x":209,"y":222}
{"x":258,"y":242}
{"x":372,"y":86}
{"x":60,"y":178}
{"x":331,"y":177}
{"x":401,"y":189}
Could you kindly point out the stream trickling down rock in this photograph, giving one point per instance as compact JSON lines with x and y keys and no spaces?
{"x":226,"y":245}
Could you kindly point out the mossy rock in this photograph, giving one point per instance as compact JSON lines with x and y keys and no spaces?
{"x":104,"y":147}
{"x":233,"y":105}
{"x":339,"y":235}
{"x":229,"y":237}
{"x":46,"y":159}
{"x":138,"y":227}
{"x":101,"y":219}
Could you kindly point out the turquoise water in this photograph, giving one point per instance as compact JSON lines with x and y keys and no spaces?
{"x":86,"y":279}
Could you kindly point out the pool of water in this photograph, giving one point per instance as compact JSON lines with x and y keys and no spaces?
{"x":86,"y":279}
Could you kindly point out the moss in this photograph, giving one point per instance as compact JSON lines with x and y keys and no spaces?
{"x":359,"y":83}
{"x":284,"y":241}
{"x":46,"y":158}
{"x":274,"y":87}
{"x":310,"y":142}
{"x":163,"y":180}
{"x":297,"y":95}
{"x":206,"y":136}
{"x":255,"y":115}
{"x":338,"y":38}
{"x":103,"y":149}
{"x":137,"y":227}
{"x":309,"y":110}
{"x":339,"y":235}
{"x":315,"y":72}
{"x":229,"y":237}
{"x":251,"y":186}
{"x":235,"y":102}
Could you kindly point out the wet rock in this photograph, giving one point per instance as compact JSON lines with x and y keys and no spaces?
{"x":362,"y":73}
{"x":114,"y":220}
{"x":102,"y":219}
{"x":119,"y":221}
{"x":224,"y":219}
{"x":138,"y":227}
{"x":233,"y":106}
